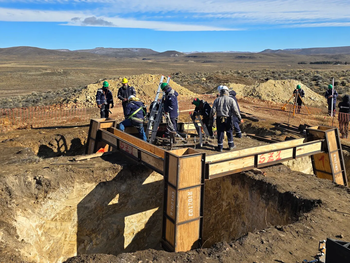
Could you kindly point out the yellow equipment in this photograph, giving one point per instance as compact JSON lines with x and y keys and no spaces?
{"x":284,"y":106}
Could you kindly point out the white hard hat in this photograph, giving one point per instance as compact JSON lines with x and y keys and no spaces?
{"x":131,"y":97}
{"x":220,"y":88}
{"x":224,"y":87}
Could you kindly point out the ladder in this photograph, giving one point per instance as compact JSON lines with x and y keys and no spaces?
{"x":195,"y":118}
{"x":155,"y":116}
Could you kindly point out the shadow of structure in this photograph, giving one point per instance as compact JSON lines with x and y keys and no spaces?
{"x":122,"y":215}
{"x":60,"y":147}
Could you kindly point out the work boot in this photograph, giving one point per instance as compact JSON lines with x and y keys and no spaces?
{"x":238,"y":135}
{"x":232,"y":147}
{"x":219,"y":149}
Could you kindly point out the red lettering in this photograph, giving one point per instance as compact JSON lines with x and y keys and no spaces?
{"x":270,"y":158}
{"x":262,"y":159}
{"x":278,"y":157}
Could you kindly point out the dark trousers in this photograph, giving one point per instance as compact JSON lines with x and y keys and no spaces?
{"x":171,"y":125}
{"x":236,"y":127}
{"x":124,"y":103}
{"x":224,"y":124}
{"x":209,"y":127}
{"x":330,"y":106}
{"x":104,"y":111}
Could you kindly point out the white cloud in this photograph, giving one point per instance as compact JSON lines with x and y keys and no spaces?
{"x":86,"y":19}
{"x":217,"y":14}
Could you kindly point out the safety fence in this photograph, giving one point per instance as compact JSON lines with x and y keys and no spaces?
{"x":45,"y":116}
{"x":66,"y":115}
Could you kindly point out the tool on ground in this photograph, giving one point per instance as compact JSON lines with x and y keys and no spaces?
{"x":284,"y":106}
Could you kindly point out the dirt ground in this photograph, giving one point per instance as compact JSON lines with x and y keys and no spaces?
{"x":36,"y":166}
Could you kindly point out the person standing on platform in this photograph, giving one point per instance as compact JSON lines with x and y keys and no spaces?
{"x":104,"y":99}
{"x":237,"y":129}
{"x":124,"y":92}
{"x":171,"y":107}
{"x":203,"y":109}
{"x":224,"y":108}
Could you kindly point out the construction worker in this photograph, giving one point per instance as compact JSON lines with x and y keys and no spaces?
{"x":104,"y":98}
{"x":344,"y":116}
{"x":203,"y":109}
{"x":135,"y":112}
{"x":225,"y":107}
{"x":331,"y":96}
{"x":171,"y":108}
{"x":298,"y":94}
{"x":238,"y":131}
{"x":124,"y":92}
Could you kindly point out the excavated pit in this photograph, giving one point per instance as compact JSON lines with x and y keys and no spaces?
{"x":119,"y":209}
{"x":112,"y":205}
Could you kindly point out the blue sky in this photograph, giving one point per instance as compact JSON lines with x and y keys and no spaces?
{"x":182,"y":25}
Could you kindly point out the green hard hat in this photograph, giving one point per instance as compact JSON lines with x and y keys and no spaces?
{"x":163,"y":85}
{"x":105,"y":84}
{"x":196,"y":102}
{"x":330,"y":86}
{"x":298,"y":87}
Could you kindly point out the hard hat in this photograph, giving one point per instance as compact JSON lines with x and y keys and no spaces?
{"x":125,"y":80}
{"x":298,"y":86}
{"x":105,"y":84}
{"x":131,"y":97}
{"x":163,"y":85}
{"x":196,"y":102}
{"x":220,"y":88}
{"x":224,"y":87}
{"x":330,"y":86}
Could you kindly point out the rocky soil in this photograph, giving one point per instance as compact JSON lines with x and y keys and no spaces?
{"x":200,"y":82}
{"x":41,"y":189}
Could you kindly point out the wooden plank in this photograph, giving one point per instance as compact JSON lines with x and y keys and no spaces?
{"x":266,"y":158}
{"x":254,"y":150}
{"x":153,"y":161}
{"x":179,"y":152}
{"x":189,"y":204}
{"x":187,"y":236}
{"x":338,"y":178}
{"x":324,"y":175}
{"x":335,"y":162}
{"x":170,"y":232}
{"x":309,"y":148}
{"x":105,"y":125}
{"x":233,"y":165}
{"x":171,"y":202}
{"x":172,"y":172}
{"x":332,"y":141}
{"x":190,"y":171}
{"x":138,"y":142}
{"x":94,"y":128}
{"x":109,"y":138}
{"x":322,"y":163}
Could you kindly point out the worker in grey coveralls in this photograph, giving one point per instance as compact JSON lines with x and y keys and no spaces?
{"x":225,"y":107}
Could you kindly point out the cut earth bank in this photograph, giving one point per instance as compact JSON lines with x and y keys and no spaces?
{"x":110,"y":210}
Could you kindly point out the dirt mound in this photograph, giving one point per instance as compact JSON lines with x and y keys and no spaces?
{"x":146,"y":86}
{"x":278,"y":91}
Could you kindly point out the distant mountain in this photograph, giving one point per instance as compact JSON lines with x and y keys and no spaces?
{"x":170,"y":53}
{"x":120,"y":52}
{"x":311,"y":51}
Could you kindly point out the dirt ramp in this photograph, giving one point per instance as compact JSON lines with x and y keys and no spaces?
{"x":278,"y":91}
{"x":146,"y":86}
